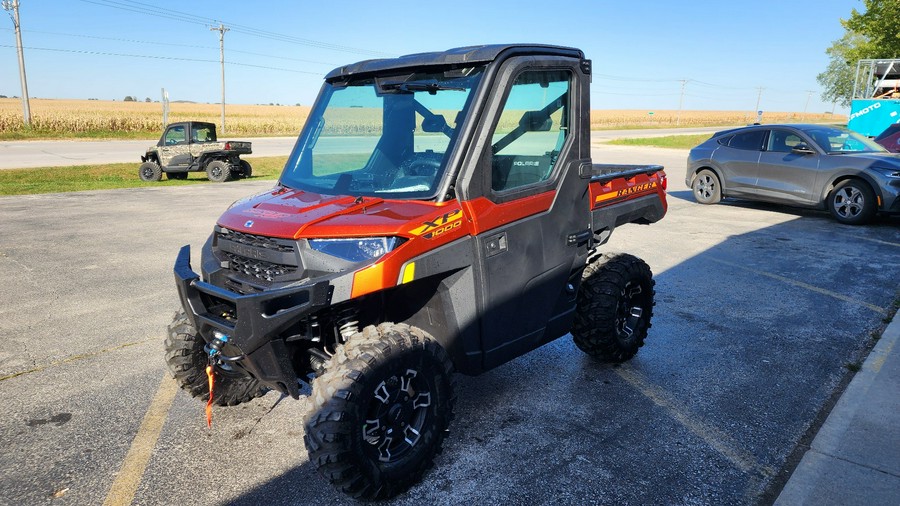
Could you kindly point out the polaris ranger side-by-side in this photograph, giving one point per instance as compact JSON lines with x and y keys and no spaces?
{"x":439,"y":213}
{"x":191,"y":146}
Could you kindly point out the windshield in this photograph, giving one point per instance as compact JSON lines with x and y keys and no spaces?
{"x":384,"y":136}
{"x":839,"y":140}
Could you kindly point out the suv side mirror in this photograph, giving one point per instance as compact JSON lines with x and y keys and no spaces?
{"x":802,"y":148}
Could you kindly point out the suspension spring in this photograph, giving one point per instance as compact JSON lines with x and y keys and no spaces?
{"x":347,"y":323}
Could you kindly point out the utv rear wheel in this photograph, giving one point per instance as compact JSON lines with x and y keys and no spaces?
{"x":150,"y":171}
{"x":380,"y":411}
{"x":852,"y":202}
{"x":246,"y":169}
{"x":218,"y":171}
{"x":187,"y":362}
{"x":614,"y":307}
{"x":706,"y":187}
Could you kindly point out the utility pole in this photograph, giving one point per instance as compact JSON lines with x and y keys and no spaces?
{"x":808,"y":96}
{"x":680,"y":103}
{"x":12,"y":7}
{"x":221,"y":29}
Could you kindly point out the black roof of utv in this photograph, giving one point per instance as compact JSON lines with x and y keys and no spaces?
{"x":458,"y":56}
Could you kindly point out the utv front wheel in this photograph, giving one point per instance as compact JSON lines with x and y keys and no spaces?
{"x":187,"y":362}
{"x":218,"y":171}
{"x":614,"y":307}
{"x":246,"y":169}
{"x":150,"y":171}
{"x":380,"y":411}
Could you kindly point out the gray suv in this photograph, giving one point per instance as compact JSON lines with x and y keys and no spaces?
{"x":817,"y":166}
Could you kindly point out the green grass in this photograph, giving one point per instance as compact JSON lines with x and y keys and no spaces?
{"x":669,"y":141}
{"x":30,"y":134}
{"x":110,"y":176}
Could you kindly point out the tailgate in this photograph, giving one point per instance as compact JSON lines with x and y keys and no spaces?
{"x":239,"y":147}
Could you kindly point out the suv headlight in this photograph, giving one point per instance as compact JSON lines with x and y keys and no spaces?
{"x":356,"y":249}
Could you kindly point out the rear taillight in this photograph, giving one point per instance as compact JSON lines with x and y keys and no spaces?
{"x":663,"y":181}
{"x":227,"y":146}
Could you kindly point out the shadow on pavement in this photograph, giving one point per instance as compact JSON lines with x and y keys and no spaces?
{"x":750,"y":340}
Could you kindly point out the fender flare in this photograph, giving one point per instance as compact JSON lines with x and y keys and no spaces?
{"x":851,"y":174}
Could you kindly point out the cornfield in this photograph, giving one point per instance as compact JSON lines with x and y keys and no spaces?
{"x":68,"y":118}
{"x":98,"y":118}
{"x":612,"y":119}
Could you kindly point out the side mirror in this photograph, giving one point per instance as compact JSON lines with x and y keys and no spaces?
{"x":802,"y":148}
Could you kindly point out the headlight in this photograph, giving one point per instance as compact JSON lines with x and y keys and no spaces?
{"x":355,"y":249}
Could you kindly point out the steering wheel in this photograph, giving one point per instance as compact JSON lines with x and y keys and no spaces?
{"x":427,"y":167}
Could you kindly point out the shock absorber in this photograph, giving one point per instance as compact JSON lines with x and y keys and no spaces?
{"x":347,"y":323}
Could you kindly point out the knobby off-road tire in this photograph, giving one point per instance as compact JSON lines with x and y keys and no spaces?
{"x":187,"y":362}
{"x":706,"y":187}
{"x":218,"y":171}
{"x":614,"y":307}
{"x":150,"y":171}
{"x":380,"y":411}
{"x":852,"y":202}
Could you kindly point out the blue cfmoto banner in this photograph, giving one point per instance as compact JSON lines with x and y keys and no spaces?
{"x":871,"y":117}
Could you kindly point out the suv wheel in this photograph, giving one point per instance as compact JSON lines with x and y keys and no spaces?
{"x":150,"y":171}
{"x":187,"y":362}
{"x":706,"y":187}
{"x":852,"y":202}
{"x":380,"y":411}
{"x":614,"y":307}
{"x":218,"y":171}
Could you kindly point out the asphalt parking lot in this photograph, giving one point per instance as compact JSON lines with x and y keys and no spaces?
{"x":759,"y":311}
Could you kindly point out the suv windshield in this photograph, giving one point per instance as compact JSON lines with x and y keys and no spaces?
{"x":839,"y":140}
{"x":383,"y":136}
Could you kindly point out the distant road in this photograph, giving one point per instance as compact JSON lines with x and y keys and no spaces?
{"x":26,"y":154}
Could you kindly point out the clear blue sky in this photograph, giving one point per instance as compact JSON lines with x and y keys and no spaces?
{"x":277,"y":51}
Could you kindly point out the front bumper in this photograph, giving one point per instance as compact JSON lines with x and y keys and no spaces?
{"x":254,"y":323}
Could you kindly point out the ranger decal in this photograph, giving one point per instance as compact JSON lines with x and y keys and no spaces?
{"x":626,"y":192}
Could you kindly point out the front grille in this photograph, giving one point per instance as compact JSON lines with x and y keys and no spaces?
{"x":257,"y":241}
{"x":259,"y":269}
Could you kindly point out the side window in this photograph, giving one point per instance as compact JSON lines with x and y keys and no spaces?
{"x":782,"y":141}
{"x":203,"y":134}
{"x":531,"y":130}
{"x":175,"y":135}
{"x":748,"y":140}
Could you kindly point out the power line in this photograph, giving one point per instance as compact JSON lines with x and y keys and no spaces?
{"x":153,"y":57}
{"x":174,"y":44}
{"x":152,"y":10}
